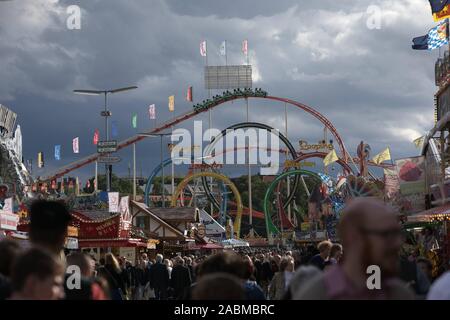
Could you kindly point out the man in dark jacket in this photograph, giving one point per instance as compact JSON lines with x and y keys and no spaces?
{"x":180,"y":278}
{"x":159,"y":278}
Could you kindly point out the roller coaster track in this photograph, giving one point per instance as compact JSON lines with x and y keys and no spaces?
{"x":186,"y":116}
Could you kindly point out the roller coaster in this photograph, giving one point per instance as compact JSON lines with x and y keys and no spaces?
{"x":305,"y":183}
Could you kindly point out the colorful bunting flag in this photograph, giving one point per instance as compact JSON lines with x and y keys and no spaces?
{"x":245,"y":47}
{"x":76,"y":145}
{"x":330,"y":158}
{"x":419,"y":141}
{"x":189,"y":96}
{"x":58,"y":152}
{"x":40,"y":160}
{"x":96,"y":137}
{"x":114,"y":129}
{"x":223,"y":48}
{"x":440,"y":9}
{"x":438,"y":36}
{"x":171,"y":103}
{"x":385,"y":155}
{"x":134,"y":121}
{"x":203,"y":49}
{"x":152,"y":112}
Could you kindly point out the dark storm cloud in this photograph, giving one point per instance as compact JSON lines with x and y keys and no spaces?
{"x":369,"y":83}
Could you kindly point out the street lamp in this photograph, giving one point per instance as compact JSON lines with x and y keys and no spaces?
{"x":106,"y":113}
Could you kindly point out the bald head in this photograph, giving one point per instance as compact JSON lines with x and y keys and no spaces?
{"x":370,"y":233}
{"x":363,"y":213}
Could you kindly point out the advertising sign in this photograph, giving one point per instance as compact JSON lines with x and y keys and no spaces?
{"x":113,"y":200}
{"x":411,"y":175}
{"x":8,"y":221}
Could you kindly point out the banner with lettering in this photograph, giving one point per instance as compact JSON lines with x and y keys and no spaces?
{"x":113,"y":201}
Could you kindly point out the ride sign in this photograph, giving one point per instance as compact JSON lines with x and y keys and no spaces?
{"x":107,"y":146}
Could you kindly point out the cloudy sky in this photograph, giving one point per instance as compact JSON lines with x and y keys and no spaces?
{"x":368,"y":82}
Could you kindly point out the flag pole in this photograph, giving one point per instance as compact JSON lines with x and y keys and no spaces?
{"x":250,"y":200}
{"x":173,"y":170}
{"x":96,"y":176}
{"x":210,"y":117}
{"x":288,"y":181}
{"x":134,"y":171}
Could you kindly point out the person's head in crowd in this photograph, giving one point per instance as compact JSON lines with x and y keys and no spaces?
{"x":287,"y":264}
{"x":371,"y":235}
{"x":324,"y":248}
{"x":248,"y":267}
{"x":219,"y":286}
{"x":83,"y":261}
{"x":121,"y":261}
{"x":426,"y":267}
{"x":111,"y":262}
{"x":277,"y":259}
{"x":188,"y":261}
{"x":335,"y":252}
{"x":9,"y":250}
{"x":181,"y":261}
{"x":167,"y":263}
{"x":37,"y":275}
{"x":159,"y":258}
{"x":142,"y":264}
{"x":301,"y":276}
{"x":48,"y":224}
{"x":225,"y":262}
{"x":102,"y":261}
{"x":144,"y":257}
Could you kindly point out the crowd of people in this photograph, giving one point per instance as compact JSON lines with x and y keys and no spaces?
{"x":369,"y":233}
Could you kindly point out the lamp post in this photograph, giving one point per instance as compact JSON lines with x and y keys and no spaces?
{"x":106,"y":114}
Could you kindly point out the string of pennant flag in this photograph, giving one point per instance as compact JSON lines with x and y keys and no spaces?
{"x":114,"y":129}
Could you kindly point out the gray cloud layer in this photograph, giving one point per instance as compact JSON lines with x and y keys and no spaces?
{"x":369,"y":83}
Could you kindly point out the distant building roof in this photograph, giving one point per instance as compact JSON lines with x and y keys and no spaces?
{"x":93,"y":215}
{"x":175,"y":214}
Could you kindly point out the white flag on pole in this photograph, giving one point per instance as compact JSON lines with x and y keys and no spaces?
{"x":203,"y":50}
{"x":76,"y":145}
{"x":223,"y":48}
{"x":152,"y":112}
{"x":113,"y":201}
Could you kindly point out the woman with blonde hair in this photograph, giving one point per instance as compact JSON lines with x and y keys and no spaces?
{"x":281,"y":279}
{"x":112,"y":273}
{"x":169,"y":265}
